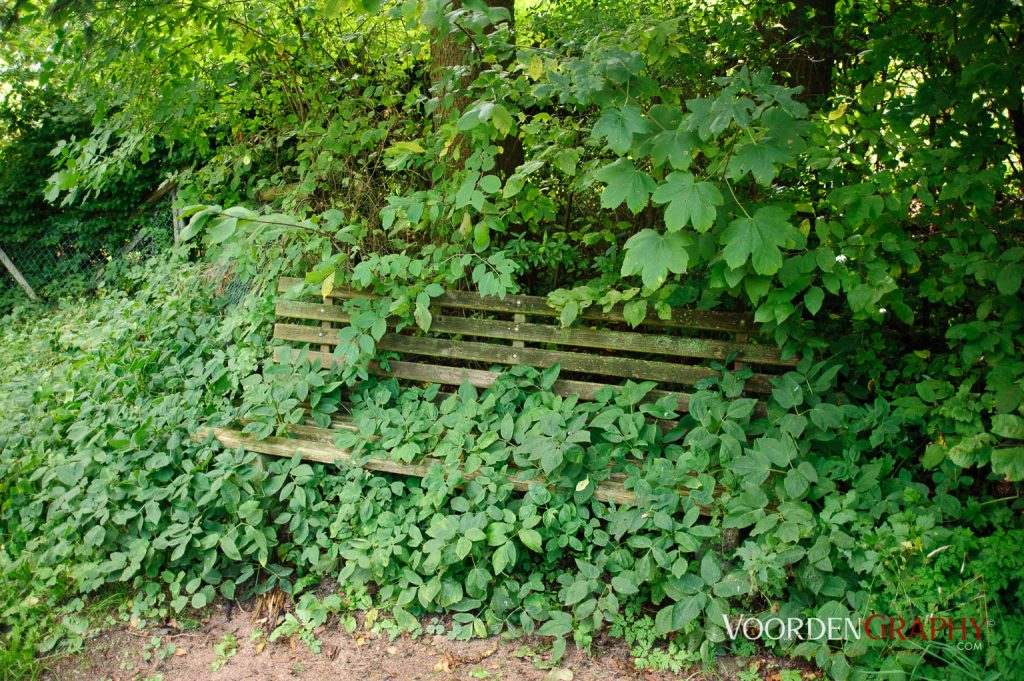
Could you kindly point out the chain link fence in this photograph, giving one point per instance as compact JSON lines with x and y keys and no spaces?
{"x":48,"y":270}
{"x":53,"y":270}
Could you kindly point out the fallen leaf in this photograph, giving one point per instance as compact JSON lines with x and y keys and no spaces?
{"x":558,"y":674}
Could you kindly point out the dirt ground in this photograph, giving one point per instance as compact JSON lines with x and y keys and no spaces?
{"x":125,"y":654}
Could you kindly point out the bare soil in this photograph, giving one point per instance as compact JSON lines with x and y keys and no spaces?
{"x":127,"y":654}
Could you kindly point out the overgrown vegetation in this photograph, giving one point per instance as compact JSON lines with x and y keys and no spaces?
{"x":849,"y":172}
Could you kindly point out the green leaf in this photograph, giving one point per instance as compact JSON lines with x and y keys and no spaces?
{"x":1009,"y":279}
{"x":531,"y":539}
{"x":577,"y":591}
{"x":227,"y":545}
{"x":502,"y":119}
{"x":688,"y":201}
{"x":560,"y":624}
{"x":759,"y":238}
{"x":1009,"y":462}
{"x":653,"y":255}
{"x":94,"y":537}
{"x":626,"y":583}
{"x":675,"y":146}
{"x":710,"y":571}
{"x":676,"y":616}
{"x":795,"y":484}
{"x":332,"y":8}
{"x":619,"y":126}
{"x":404,"y":619}
{"x":813,"y":298}
{"x":490,"y":184}
{"x":731,"y":586}
{"x":1008,"y":425}
{"x":753,"y":466}
{"x":625,"y":183}
{"x":934,"y":454}
{"x":634,"y":312}
{"x":759,"y":159}
{"x":223,"y":229}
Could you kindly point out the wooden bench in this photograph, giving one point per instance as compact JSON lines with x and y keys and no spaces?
{"x":470,"y":334}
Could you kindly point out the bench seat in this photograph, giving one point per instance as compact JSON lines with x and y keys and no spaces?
{"x":471,"y":334}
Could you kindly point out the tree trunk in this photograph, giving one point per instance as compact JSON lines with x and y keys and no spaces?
{"x":808,"y":48}
{"x":511,"y":156}
{"x":452,"y":52}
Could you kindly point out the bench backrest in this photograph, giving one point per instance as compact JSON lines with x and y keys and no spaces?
{"x":471,"y":333}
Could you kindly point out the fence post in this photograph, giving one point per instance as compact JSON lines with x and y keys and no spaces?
{"x":17,"y":276}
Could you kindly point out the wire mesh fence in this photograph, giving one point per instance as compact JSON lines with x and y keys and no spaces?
{"x":53,"y":270}
{"x":48,"y":269}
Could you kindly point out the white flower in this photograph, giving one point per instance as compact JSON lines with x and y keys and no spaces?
{"x":840,"y":258}
{"x":882,"y":310}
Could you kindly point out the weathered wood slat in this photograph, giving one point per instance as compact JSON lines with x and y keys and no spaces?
{"x":321,"y":452}
{"x":657,"y":344}
{"x":707,"y":320}
{"x":479,"y":378}
{"x":621,"y":367}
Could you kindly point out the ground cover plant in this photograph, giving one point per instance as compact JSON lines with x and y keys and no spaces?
{"x":850,"y":173}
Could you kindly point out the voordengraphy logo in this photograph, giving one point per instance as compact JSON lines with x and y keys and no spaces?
{"x":794,"y":628}
{"x":876,"y":627}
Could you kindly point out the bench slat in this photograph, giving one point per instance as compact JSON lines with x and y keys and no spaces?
{"x":479,"y":378}
{"x":705,"y":320}
{"x":315,"y":450}
{"x":578,"y":337}
{"x":622,"y":367}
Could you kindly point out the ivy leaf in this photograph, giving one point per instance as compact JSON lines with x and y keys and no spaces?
{"x":620,"y":125}
{"x":625,"y":183}
{"x":688,"y":201}
{"x":759,"y":238}
{"x":653,"y":255}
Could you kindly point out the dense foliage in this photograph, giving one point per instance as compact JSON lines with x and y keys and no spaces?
{"x":858,"y":189}
{"x":54,"y":247}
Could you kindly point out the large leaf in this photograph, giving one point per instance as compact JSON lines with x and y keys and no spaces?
{"x":619,"y":126}
{"x":759,"y":159}
{"x":625,"y":183}
{"x":688,"y":201}
{"x":1008,"y":425}
{"x":653,"y":255}
{"x":675,"y":146}
{"x":1009,"y":461}
{"x":760,"y":238}
{"x":676,"y":616}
